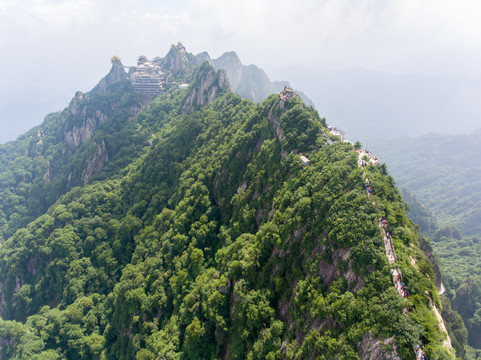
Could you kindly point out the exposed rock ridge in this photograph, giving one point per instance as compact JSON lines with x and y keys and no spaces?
{"x":375,"y":349}
{"x":447,"y":341}
{"x":117,"y":73}
{"x":95,"y":165}
{"x":81,"y":133}
{"x":248,"y":81}
{"x":3,"y":303}
{"x":208,"y":85}
{"x":230,"y":63}
{"x":176,"y":60}
{"x":4,"y":343}
{"x":426,"y":247}
{"x":275,"y":120}
{"x":204,"y":56}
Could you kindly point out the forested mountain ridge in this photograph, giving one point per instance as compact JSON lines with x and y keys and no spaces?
{"x":93,"y":134}
{"x":248,"y":81}
{"x":443,"y":171}
{"x":63,"y":152}
{"x":204,"y":236}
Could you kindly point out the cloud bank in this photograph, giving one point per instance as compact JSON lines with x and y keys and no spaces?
{"x":62,"y":45}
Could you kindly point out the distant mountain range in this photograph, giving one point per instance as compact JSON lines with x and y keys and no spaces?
{"x":248,"y":81}
{"x":444,"y":171}
{"x":371,"y":104}
{"x":368,"y":104}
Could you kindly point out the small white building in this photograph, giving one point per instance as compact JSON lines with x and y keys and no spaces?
{"x":336,"y":132}
{"x":305,"y":161}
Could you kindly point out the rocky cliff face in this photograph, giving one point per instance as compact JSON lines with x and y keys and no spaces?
{"x":373,"y":349}
{"x":255,"y":84}
{"x":117,"y":73}
{"x":79,"y":134}
{"x":4,"y":343}
{"x":3,"y":303}
{"x":86,"y":114}
{"x":230,"y":63}
{"x":426,"y":247}
{"x":96,"y":163}
{"x":275,"y":119}
{"x":204,"y":56}
{"x":207,"y":86}
{"x":176,"y":61}
{"x":250,"y":82}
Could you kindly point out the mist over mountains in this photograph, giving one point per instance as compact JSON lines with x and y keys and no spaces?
{"x":372,"y":104}
{"x":368,"y":104}
{"x":444,"y":171}
{"x":18,"y":117}
{"x":248,"y":81}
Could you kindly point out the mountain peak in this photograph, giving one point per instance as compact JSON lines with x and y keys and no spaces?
{"x":204,"y":56}
{"x":178,"y":47}
{"x":176,"y":60}
{"x":229,"y":56}
{"x":229,"y":61}
{"x":208,"y":84}
{"x":116,"y":73}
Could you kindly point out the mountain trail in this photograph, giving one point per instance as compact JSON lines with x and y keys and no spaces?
{"x":365,"y":158}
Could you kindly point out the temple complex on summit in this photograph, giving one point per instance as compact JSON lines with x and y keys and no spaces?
{"x":147,"y":77}
{"x":288,"y":94}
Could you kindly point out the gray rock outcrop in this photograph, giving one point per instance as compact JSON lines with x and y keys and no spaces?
{"x":375,"y":349}
{"x":248,"y":81}
{"x":427,"y":248}
{"x":96,"y":164}
{"x":204,"y":56}
{"x":79,"y":134}
{"x":176,"y":60}
{"x":207,"y":86}
{"x":117,"y":73}
{"x":230,"y":63}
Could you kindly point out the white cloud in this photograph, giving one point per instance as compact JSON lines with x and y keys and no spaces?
{"x":62,"y":14}
{"x":53,"y":42}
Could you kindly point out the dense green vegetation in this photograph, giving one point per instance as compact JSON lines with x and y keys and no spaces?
{"x":45,"y":167}
{"x":211,"y":241}
{"x":419,"y":213}
{"x":443,"y":172}
{"x":460,"y":259}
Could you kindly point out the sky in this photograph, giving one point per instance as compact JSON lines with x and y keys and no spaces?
{"x":51,"y":48}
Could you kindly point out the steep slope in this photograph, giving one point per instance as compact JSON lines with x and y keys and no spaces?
{"x":63,"y":152}
{"x":443,"y":171}
{"x":217,"y":243}
{"x":249,"y":82}
{"x":208,"y":85}
{"x":94,"y":137}
{"x":419,"y":213}
{"x":231,"y":64}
